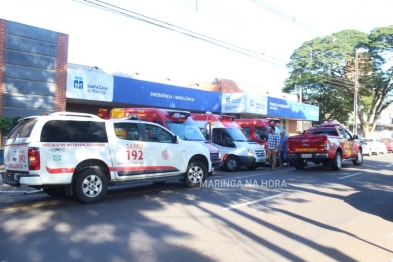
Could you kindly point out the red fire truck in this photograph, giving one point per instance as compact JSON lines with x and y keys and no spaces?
{"x":177,"y":121}
{"x":237,"y":148}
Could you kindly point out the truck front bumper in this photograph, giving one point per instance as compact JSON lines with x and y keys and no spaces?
{"x":252,"y":161}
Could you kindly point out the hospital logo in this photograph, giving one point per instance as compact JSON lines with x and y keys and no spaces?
{"x":228,"y":99}
{"x":78,"y":82}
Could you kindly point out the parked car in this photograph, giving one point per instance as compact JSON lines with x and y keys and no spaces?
{"x":368,"y":148}
{"x":380,"y":146}
{"x":389,"y":143}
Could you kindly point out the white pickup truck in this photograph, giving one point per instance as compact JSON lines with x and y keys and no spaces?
{"x":80,"y":154}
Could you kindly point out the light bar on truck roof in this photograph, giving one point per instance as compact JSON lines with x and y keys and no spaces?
{"x":228,"y":117}
{"x":133,"y":117}
{"x":181,"y":113}
{"x":273,"y":120}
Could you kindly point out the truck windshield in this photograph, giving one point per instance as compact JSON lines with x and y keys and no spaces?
{"x":186,"y":130}
{"x":237,"y":135}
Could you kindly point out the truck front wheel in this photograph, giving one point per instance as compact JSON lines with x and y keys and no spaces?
{"x":90,"y":186}
{"x":195,"y":175}
{"x":359,"y":159}
{"x":337,"y":162}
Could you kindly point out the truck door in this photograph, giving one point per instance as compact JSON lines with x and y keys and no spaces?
{"x":163,"y":155}
{"x":347,"y":140}
{"x":129,"y":150}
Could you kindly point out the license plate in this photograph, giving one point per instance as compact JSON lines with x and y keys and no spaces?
{"x":306,"y":155}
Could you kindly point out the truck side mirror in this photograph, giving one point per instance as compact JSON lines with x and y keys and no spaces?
{"x":175,"y":139}
{"x":355,"y":137}
{"x":208,"y":137}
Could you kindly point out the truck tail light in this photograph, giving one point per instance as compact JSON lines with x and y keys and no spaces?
{"x":33,"y":156}
{"x":326,"y":144}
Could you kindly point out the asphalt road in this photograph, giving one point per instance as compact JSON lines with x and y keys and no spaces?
{"x":289,"y":215}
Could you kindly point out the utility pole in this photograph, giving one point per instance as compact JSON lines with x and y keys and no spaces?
{"x":355,"y":96}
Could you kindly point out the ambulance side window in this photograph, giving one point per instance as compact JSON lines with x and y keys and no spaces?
{"x":261,"y":133}
{"x":157,"y":134}
{"x":217,"y":136}
{"x":246,"y":130}
{"x":127,"y":131}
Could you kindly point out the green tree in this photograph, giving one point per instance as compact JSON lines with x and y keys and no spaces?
{"x":4,"y":125}
{"x":326,"y":69}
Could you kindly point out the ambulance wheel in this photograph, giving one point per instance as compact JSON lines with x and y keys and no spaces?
{"x":195,"y":175}
{"x":90,"y":186}
{"x":55,"y":191}
{"x":232,"y":163}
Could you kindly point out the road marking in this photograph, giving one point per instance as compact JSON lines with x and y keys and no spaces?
{"x":350,"y":175}
{"x":252,"y":202}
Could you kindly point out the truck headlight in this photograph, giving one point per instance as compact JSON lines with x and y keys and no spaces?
{"x":250,"y":152}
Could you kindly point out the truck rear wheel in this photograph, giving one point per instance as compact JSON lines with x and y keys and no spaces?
{"x":195,"y":175}
{"x":90,"y":186}
{"x":232,"y":163}
{"x":359,"y":159}
{"x":337,"y":162}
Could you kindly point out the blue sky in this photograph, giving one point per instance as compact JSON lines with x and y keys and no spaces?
{"x":122,"y":46}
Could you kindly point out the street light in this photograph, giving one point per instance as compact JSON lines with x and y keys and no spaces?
{"x":94,"y":67}
{"x":136,"y":73}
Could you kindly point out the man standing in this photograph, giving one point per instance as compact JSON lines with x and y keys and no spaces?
{"x":283,"y":149}
{"x":273,"y":145}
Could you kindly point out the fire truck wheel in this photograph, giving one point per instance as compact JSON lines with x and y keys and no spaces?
{"x":195,"y":175}
{"x":232,"y":163}
{"x":359,"y":159}
{"x":300,"y":164}
{"x":55,"y":191}
{"x":299,"y":167}
{"x":90,"y":186}
{"x":337,"y":162}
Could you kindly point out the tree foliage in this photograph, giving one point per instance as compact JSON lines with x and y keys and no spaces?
{"x":326,"y":69}
{"x":4,"y":123}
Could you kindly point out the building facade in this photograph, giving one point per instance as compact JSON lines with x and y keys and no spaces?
{"x":35,"y":79}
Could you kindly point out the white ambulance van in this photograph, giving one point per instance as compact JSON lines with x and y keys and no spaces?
{"x":237,"y":148}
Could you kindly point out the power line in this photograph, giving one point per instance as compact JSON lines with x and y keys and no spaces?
{"x":130,"y":14}
{"x":285,"y":15}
